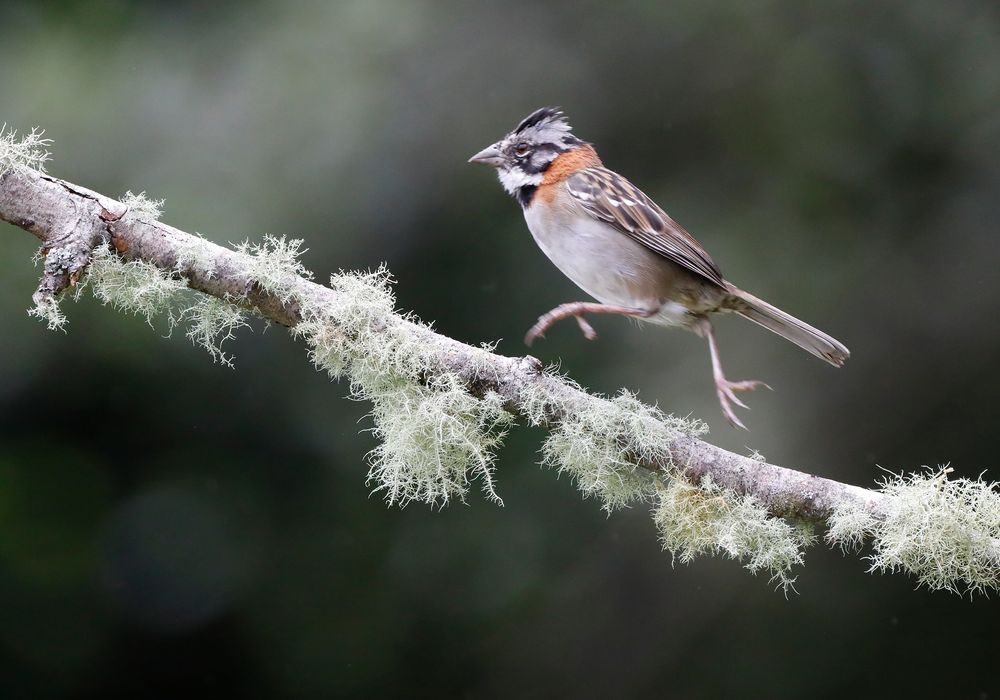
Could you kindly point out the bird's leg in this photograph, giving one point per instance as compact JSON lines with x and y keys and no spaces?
{"x":725,"y":389}
{"x":577,"y":309}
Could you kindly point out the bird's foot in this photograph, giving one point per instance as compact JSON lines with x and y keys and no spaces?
{"x":577,"y":309}
{"x":537,"y":330}
{"x":549,"y":319}
{"x":588,"y":330}
{"x":726,"y":391}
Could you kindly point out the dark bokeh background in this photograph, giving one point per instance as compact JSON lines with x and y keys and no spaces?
{"x":169,"y":525}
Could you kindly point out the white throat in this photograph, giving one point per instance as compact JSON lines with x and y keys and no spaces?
{"x":514,"y":179}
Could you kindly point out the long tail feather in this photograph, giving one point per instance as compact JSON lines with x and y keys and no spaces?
{"x":788,"y":327}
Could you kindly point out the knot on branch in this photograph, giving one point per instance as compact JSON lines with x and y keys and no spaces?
{"x":66,"y":258}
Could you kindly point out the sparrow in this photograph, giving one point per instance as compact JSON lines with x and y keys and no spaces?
{"x":623,"y":250}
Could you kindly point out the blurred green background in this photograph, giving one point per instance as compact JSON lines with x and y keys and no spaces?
{"x":171,"y":526}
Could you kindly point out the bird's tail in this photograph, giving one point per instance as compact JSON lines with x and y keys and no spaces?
{"x":788,"y":327}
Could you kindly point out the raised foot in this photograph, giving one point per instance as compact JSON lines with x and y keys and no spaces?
{"x":544,"y":323}
{"x":548,"y":320}
{"x":577,"y":309}
{"x":726,"y":391}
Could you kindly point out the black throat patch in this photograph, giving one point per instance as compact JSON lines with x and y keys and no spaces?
{"x":525,"y":194}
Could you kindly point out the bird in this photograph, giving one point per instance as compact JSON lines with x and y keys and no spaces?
{"x":619,"y":247}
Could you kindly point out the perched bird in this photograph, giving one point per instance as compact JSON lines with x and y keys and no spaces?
{"x":619,"y":247}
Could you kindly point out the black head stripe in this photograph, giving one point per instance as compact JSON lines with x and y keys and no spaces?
{"x":538,"y":116}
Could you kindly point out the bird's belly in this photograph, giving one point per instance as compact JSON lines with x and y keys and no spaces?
{"x":609,"y":265}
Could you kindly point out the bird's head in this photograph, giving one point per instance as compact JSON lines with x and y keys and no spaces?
{"x":522,"y":156}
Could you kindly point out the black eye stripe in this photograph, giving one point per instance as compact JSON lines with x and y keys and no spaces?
{"x":544,"y":148}
{"x":539,"y":159}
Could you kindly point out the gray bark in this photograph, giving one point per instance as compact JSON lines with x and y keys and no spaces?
{"x":71,"y":221}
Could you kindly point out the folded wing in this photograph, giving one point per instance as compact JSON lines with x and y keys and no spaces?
{"x":608,"y":196}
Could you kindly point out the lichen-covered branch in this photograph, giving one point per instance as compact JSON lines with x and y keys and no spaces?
{"x":442,"y":406}
{"x":45,"y":206}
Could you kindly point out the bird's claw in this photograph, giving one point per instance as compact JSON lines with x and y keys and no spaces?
{"x":726,"y":391}
{"x":536,"y":331}
{"x":588,"y":331}
{"x":545,"y":322}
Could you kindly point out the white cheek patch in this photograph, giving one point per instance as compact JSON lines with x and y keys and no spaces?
{"x":514,"y":179}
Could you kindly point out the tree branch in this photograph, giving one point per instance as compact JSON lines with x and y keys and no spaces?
{"x":71,"y":218}
{"x":72,"y":221}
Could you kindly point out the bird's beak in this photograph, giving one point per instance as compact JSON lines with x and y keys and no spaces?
{"x":490,"y":156}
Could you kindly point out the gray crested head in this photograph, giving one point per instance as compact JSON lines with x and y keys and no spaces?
{"x":522,"y":156}
{"x":545,"y":125}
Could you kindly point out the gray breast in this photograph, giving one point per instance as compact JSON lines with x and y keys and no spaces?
{"x":602,"y":261}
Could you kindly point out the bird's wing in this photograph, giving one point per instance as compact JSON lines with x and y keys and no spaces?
{"x":608,"y":196}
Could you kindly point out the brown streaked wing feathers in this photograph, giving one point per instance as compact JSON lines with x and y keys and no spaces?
{"x":609,"y":197}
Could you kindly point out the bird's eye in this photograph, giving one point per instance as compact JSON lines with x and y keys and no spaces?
{"x":521,"y":149}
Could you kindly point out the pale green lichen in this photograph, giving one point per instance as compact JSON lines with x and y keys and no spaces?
{"x":599,"y":445}
{"x":945,"y":532}
{"x":538,"y":406}
{"x":48,"y":310}
{"x":140,"y":288}
{"x":134,"y":286}
{"x":710,"y":519}
{"x":25,"y":152}
{"x":434,"y":439}
{"x":849,"y":525}
{"x":356,"y":331}
{"x":274,"y":265}
{"x":434,"y":436}
{"x":211,"y":322}
{"x":141,"y":207}
{"x":28,"y":151}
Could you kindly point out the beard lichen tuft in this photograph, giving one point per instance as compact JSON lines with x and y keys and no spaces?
{"x":140,"y":288}
{"x":945,"y":532}
{"x":709,"y":519}
{"x":434,"y":439}
{"x":141,"y":207}
{"x":434,"y":436}
{"x":143,"y":289}
{"x":28,"y":151}
{"x":357,"y":331}
{"x":850,"y":524}
{"x":211,"y":322}
{"x":134,"y":286}
{"x":111,"y":282}
{"x":48,"y":310}
{"x":274,"y":265}
{"x":600,"y":443}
